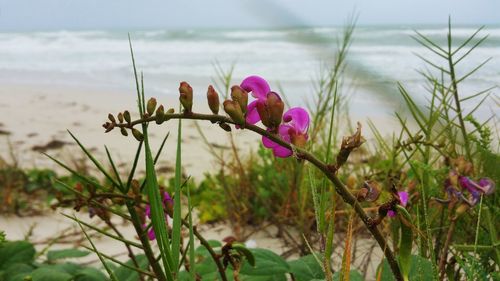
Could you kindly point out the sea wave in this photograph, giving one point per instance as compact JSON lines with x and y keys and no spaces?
{"x":377,"y":53}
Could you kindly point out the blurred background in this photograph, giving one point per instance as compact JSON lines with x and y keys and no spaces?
{"x":74,"y":43}
{"x":67,"y":58}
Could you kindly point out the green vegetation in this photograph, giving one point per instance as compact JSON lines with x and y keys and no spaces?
{"x":425,"y":195}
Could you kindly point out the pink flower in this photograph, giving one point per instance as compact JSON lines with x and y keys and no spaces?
{"x":294,"y":130}
{"x":259,"y":88}
{"x":147,"y":212}
{"x":484,"y":186}
{"x":403,"y":199}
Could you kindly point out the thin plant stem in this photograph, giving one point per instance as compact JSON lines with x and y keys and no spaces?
{"x":340,"y":188}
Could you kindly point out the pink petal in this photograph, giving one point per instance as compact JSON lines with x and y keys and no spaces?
{"x":151,"y":234}
{"x":252,"y":113}
{"x":391,"y":213}
{"x":403,"y":197}
{"x":147,"y":211}
{"x":166,"y":197}
{"x":284,"y":132}
{"x":487,"y":186}
{"x":298,"y":118}
{"x":257,"y":85}
{"x":268,"y":143}
{"x":282,"y":152}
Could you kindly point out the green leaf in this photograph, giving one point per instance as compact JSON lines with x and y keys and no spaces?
{"x":123,"y":273}
{"x":202,"y":251}
{"x":354,"y":275}
{"x":67,"y":267}
{"x":406,"y":242}
{"x":306,"y":268}
{"x":279,"y":277}
{"x":50,"y":274}
{"x":266,"y":263}
{"x":16,"y":272}
{"x":420,"y":270}
{"x":90,"y":274}
{"x":16,"y":252}
{"x":176,"y":227}
{"x":66,"y":253}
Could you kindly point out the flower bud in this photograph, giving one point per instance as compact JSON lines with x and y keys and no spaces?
{"x":160,"y":115}
{"x":213,"y":100}
{"x":348,"y":145}
{"x":233,"y":109}
{"x":225,"y":127}
{"x":240,"y":96}
{"x":263,"y":113}
{"x":275,"y":107}
{"x":370,"y":191}
{"x":120,"y":117}
{"x":111,"y":118}
{"x":298,"y":140}
{"x":108,"y":126}
{"x":137,"y":134}
{"x":186,"y":96}
{"x":136,"y":187}
{"x":123,"y":131}
{"x":126,"y":116}
{"x":461,"y":209}
{"x":151,"y":106}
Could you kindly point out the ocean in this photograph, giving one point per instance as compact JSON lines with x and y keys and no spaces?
{"x":291,"y":59}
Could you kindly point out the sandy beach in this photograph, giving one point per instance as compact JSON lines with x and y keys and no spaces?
{"x":35,"y":119}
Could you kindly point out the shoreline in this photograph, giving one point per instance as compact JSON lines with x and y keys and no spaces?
{"x":36,"y":119}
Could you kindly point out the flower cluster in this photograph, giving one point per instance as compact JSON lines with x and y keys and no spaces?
{"x":456,"y":185}
{"x":403,"y":197}
{"x":268,"y":107}
{"x":167,"y":201}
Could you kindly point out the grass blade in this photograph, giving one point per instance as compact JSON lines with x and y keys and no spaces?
{"x":176,"y":228}
{"x":113,"y":166}
{"x":346,"y":257}
{"x":108,"y":270}
{"x":192,"y":264}
{"x":138,"y":270}
{"x":96,"y":163}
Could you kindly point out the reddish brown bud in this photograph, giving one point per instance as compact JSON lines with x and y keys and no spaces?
{"x":233,"y":109}
{"x":213,"y":100}
{"x":263,"y":113}
{"x":225,"y":127}
{"x":160,"y":115}
{"x":123,"y":131}
{"x":111,"y":118}
{"x":137,"y":134}
{"x":126,"y":116}
{"x":298,"y":140}
{"x":240,"y":96}
{"x":186,"y":96}
{"x":108,"y":126}
{"x":151,"y":106}
{"x":120,"y":117}
{"x":370,"y":191}
{"x":348,"y":145}
{"x":136,"y":187}
{"x":275,"y":107}
{"x":271,"y":111}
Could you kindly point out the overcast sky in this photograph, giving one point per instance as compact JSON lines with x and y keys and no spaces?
{"x":27,"y":15}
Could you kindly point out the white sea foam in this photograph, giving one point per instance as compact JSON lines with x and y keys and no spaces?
{"x":379,"y":55}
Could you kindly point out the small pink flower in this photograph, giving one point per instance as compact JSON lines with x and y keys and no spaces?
{"x":403,"y":199}
{"x":294,"y":130}
{"x":484,"y":186}
{"x":259,"y":88}
{"x":147,"y":212}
